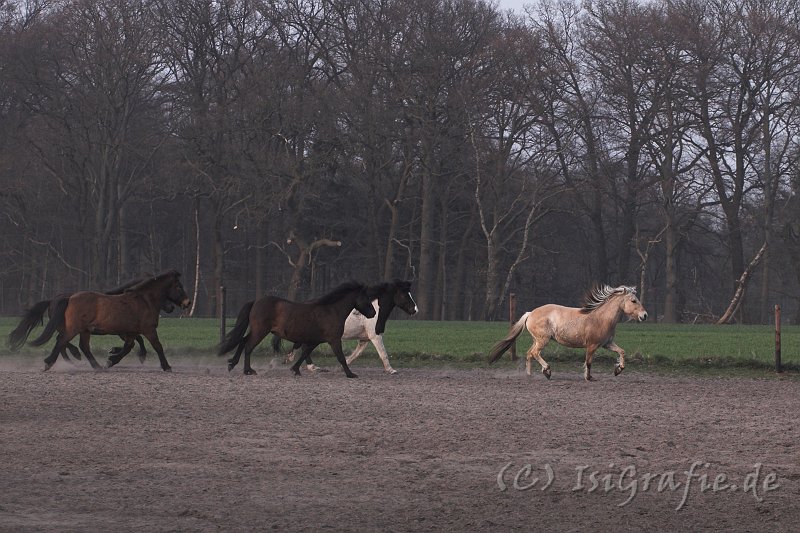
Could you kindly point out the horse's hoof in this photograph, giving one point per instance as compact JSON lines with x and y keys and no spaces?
{"x":47,"y":367}
{"x":390,"y":371}
{"x":589,"y":378}
{"x":142,"y":359}
{"x":249,"y":372}
{"x":166,"y":368}
{"x":351,"y":375}
{"x":296,"y":371}
{"x":547,"y":372}
{"x":618,"y":370}
{"x":111,"y":363}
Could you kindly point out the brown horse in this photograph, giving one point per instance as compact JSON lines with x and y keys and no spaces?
{"x":388,"y":295}
{"x":134,"y":312}
{"x":35,"y":317}
{"x":309,"y":323}
{"x":590,"y":327}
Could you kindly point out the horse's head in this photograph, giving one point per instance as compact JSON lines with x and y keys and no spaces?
{"x":402,"y":297}
{"x":176,"y":294}
{"x":631,"y":305}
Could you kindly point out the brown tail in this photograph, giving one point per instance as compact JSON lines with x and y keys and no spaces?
{"x":236,"y":335}
{"x":33,"y":317}
{"x":55,"y":323}
{"x":501,"y":347}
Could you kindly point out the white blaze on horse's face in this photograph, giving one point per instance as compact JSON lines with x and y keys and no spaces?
{"x":411,"y":299}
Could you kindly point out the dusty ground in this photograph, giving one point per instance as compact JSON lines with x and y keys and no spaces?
{"x":133,"y":448}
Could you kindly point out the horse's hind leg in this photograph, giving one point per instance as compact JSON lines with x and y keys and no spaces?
{"x":304,"y":355}
{"x":253,"y":338}
{"x":73,"y":350}
{"x":118,"y":353}
{"x":142,"y":350}
{"x":234,"y":360}
{"x":87,"y":350}
{"x":535,"y":353}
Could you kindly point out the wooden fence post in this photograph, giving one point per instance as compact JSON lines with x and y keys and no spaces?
{"x":512,"y":315}
{"x":221,"y":308}
{"x":778,"y":367}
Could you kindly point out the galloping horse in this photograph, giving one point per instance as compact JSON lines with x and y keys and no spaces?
{"x":35,"y":317}
{"x":590,"y":326}
{"x":134,"y":312}
{"x":358,"y":327}
{"x":310,"y":324}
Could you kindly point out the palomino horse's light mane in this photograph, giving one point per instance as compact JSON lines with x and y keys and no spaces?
{"x":600,"y":295}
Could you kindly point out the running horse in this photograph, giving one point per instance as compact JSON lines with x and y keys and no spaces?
{"x":134,"y":312}
{"x":590,"y":327}
{"x":35,"y":317}
{"x":308,"y":323}
{"x":389,"y":295}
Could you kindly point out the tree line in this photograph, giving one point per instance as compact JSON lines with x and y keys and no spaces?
{"x":285,"y":146}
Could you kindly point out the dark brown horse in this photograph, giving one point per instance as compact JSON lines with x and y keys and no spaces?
{"x":134,"y":312}
{"x":388,"y":295}
{"x":309,"y":323}
{"x":34,"y":317}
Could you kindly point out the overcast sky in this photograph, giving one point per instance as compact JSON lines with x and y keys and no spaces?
{"x":516,"y":5}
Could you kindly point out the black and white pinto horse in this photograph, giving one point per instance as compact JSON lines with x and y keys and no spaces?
{"x":365,"y":330}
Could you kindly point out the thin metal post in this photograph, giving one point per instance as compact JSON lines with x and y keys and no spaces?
{"x":512,"y":317}
{"x":221,"y":308}
{"x":778,"y":367}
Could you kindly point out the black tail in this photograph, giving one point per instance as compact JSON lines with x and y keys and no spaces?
{"x":33,"y":317}
{"x":55,"y":323}
{"x":501,"y":347}
{"x":276,"y":344}
{"x":235,"y":336}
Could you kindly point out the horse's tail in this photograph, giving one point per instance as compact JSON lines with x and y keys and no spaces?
{"x":56,"y":322}
{"x":501,"y":347}
{"x":276,"y":344}
{"x":235,"y":336}
{"x":33,"y":317}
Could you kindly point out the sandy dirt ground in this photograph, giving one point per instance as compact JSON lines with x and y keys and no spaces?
{"x":430,"y":449}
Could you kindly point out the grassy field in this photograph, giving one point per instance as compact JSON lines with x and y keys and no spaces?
{"x":413,"y":343}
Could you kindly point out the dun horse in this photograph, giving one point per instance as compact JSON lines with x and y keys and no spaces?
{"x":35,"y":317}
{"x":365,"y":330}
{"x":134,"y":312}
{"x":310,"y":324}
{"x":590,"y":327}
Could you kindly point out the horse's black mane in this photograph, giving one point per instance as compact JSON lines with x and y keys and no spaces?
{"x":125,"y":286}
{"x":148,"y":281}
{"x":338,"y":293}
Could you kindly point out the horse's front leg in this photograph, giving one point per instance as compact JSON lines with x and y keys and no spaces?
{"x":377,"y":341}
{"x":587,"y":370}
{"x":535,"y":353}
{"x":337,"y":349}
{"x":118,"y":353}
{"x":73,"y":350}
{"x":621,"y":363}
{"x":87,"y":350}
{"x":152,"y":338}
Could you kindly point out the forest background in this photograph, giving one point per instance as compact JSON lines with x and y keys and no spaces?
{"x":286,"y":146}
